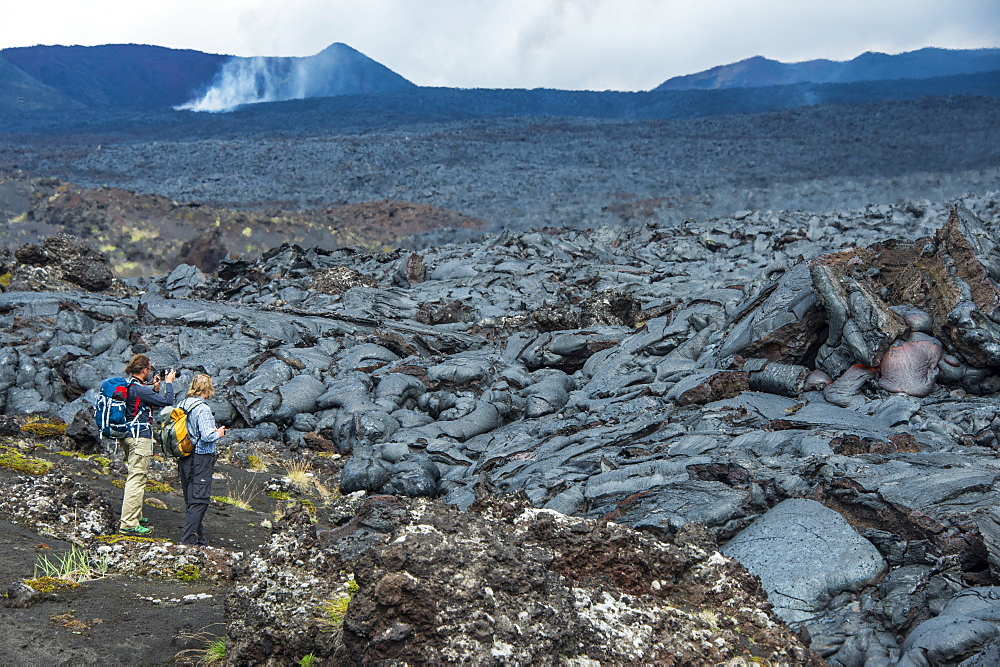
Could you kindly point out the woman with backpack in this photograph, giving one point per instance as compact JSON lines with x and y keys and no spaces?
{"x":196,"y":470}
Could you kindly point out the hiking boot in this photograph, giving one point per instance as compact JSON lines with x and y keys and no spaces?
{"x":138,"y":531}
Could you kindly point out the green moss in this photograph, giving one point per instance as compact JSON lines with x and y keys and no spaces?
{"x":51,"y":584}
{"x":5,"y":279}
{"x":100,"y":461}
{"x":280,"y":495}
{"x":152,"y":485}
{"x":188,"y":572}
{"x":352,"y":586}
{"x":15,"y":460}
{"x":309,"y":505}
{"x":158,"y":487}
{"x":256,"y":463}
{"x":115,"y":539}
{"x":44,"y":428}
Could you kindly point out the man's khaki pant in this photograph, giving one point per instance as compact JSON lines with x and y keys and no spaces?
{"x":138,"y":452}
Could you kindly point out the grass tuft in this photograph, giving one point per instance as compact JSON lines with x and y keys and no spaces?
{"x":238,"y":495}
{"x":216,"y":651}
{"x":299,"y":473}
{"x":212,"y":652}
{"x":334,"y":610}
{"x":75,"y":566}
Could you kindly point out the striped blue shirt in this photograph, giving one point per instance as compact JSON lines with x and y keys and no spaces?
{"x":201,"y":424}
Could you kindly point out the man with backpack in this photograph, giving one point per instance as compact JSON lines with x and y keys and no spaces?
{"x":138,"y":445}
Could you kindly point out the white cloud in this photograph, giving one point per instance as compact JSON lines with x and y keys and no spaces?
{"x":577,"y":44}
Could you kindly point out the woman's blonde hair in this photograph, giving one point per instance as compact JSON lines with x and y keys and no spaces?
{"x":201,"y":385}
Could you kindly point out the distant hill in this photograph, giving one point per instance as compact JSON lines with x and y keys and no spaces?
{"x":118,"y":75}
{"x":131,"y":76}
{"x":759,"y":71}
{"x":20,"y":91}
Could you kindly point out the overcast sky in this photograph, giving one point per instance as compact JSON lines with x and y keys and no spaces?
{"x":569,"y":44}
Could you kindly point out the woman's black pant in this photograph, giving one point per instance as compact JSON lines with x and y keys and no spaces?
{"x":196,"y":479}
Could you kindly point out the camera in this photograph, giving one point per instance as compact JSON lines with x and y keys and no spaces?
{"x":168,"y":371}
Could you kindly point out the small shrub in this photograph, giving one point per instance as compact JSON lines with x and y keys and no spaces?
{"x":308,"y":660}
{"x":256,"y":463}
{"x":189,"y":572}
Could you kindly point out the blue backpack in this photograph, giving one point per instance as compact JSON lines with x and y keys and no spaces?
{"x":110,"y":409}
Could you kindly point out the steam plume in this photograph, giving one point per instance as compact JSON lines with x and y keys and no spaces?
{"x":337,"y":70}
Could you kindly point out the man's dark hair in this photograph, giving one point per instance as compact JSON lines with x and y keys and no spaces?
{"x":137,"y":364}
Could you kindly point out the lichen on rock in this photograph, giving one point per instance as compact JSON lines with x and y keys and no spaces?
{"x":499,"y":583}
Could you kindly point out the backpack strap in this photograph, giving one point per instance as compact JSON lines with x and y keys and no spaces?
{"x":188,"y":408}
{"x":134,"y":424}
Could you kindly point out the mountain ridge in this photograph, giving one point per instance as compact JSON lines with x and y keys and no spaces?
{"x":41,"y":85}
{"x":759,"y":71}
{"x":118,"y":75}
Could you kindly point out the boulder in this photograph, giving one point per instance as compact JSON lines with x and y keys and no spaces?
{"x":783,"y":548}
